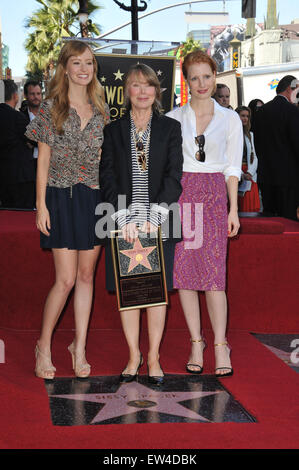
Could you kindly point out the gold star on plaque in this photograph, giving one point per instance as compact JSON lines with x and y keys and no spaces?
{"x":118,"y":75}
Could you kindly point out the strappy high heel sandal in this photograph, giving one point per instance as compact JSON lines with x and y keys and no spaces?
{"x":200,"y":368}
{"x":80,"y":366}
{"x":47,"y":372}
{"x":126,"y":378}
{"x":229,"y":368}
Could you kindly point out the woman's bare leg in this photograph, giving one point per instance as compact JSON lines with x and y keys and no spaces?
{"x":190,"y":305}
{"x":217,"y":308}
{"x":65,"y":267}
{"x":131,"y":327}
{"x":156,"y":323}
{"x":83,"y":294}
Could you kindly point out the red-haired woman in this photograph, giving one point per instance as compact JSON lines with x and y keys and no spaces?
{"x":69,"y":132}
{"x":250,"y":200}
{"x":212,"y":148}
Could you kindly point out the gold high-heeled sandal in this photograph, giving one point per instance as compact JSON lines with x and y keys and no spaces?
{"x":79,"y":365}
{"x":47,"y":372}
{"x":227,"y":374}
{"x":196,"y":365}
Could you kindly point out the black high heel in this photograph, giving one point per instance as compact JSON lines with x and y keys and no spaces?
{"x":126,"y":378}
{"x":156,"y":379}
{"x":200,"y":368}
{"x":230,"y":369}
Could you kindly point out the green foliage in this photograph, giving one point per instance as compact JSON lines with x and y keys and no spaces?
{"x":54,"y":20}
{"x":188,"y":46}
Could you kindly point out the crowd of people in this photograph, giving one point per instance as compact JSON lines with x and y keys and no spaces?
{"x":270,"y":161}
{"x":201,"y":155}
{"x":268,"y":183}
{"x":17,"y":153}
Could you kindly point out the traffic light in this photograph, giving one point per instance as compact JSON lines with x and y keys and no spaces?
{"x":248,"y":8}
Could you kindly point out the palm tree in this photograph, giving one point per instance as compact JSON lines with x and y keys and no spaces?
{"x":51,"y":23}
{"x":188,"y":46}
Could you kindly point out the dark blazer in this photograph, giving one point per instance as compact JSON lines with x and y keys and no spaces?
{"x":32,"y":143}
{"x":16,"y":162}
{"x":276,"y":141}
{"x":165,"y":164}
{"x":25,"y":111}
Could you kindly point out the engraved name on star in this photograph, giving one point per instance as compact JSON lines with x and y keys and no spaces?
{"x":133,"y":397}
{"x":138,"y":255}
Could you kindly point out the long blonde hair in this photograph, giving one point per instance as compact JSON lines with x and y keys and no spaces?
{"x":59,"y":85}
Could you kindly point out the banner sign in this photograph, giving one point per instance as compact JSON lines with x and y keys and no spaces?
{"x":112,"y":71}
{"x":184,"y":87}
{"x":235,"y":58}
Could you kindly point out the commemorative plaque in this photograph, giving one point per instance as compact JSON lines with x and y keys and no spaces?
{"x":139,"y":271}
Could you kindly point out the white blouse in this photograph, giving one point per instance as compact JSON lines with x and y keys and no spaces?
{"x":223,"y":141}
{"x":252,"y":167}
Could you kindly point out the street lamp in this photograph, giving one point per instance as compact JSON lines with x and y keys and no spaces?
{"x":83,"y":17}
{"x":134,"y":9}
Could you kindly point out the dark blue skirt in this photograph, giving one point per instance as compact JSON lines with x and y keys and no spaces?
{"x":72,"y":217}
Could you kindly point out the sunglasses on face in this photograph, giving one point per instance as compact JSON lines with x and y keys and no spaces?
{"x":200,"y":154}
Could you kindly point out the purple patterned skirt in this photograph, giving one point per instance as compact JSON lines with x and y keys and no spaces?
{"x":200,"y":259}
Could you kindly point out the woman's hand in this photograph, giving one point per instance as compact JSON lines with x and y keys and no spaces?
{"x":130,"y":232}
{"x":43,"y":221}
{"x":148,"y":227}
{"x":233,"y":223}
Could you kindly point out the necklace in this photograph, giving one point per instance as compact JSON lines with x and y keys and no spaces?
{"x":141,"y":143}
{"x":141,"y":149}
{"x":141,"y":123}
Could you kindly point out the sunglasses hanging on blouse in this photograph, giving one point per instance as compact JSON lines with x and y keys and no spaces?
{"x":141,"y":155}
{"x":200,"y":154}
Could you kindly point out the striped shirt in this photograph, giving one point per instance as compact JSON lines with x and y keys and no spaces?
{"x":140,"y":210}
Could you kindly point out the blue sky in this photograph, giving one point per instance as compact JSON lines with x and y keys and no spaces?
{"x":164,"y":26}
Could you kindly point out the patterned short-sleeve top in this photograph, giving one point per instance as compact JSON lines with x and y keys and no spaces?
{"x":75,"y":156}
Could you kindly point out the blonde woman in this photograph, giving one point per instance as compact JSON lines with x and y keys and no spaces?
{"x":69,"y":132}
